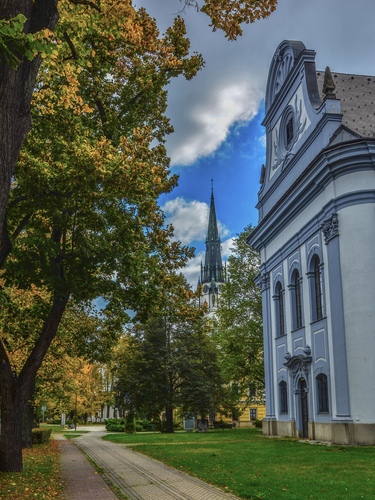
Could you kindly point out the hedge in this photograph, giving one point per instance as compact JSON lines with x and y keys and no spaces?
{"x":41,"y":435}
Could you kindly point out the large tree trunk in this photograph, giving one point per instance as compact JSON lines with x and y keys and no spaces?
{"x":169,"y":419}
{"x":17,"y":390}
{"x":16,"y":89}
{"x":27,"y":426}
{"x":11,"y":421}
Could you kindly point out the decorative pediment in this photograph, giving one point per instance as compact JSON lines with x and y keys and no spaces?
{"x":299,"y":364}
{"x":283,"y":61}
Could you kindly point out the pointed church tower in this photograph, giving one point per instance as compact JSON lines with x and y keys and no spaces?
{"x":212,"y":273}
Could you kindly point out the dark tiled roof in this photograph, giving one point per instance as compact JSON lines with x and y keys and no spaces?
{"x":357,"y":96}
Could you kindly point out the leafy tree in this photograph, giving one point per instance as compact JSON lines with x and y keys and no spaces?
{"x":228,"y":15}
{"x":168,"y":363}
{"x":238,"y":326}
{"x":25,"y":28}
{"x":82,"y":219}
{"x":78,"y":215}
{"x":20,"y":323}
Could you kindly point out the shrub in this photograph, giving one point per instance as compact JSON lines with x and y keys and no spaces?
{"x":115,"y":425}
{"x":130,"y":426}
{"x":41,"y":436}
{"x":258,"y":423}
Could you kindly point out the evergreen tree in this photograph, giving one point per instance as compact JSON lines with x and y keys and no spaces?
{"x":168,"y":363}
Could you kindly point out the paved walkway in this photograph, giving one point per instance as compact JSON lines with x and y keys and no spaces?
{"x":134,"y":475}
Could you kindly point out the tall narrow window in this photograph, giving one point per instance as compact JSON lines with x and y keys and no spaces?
{"x":318,"y":289}
{"x":280,"y":318}
{"x":283,"y":397}
{"x":322,"y":389}
{"x":297,"y":300}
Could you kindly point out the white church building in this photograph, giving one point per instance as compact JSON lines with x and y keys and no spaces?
{"x":316,"y":237}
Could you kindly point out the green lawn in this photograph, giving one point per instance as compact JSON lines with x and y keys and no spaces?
{"x":250,"y":465}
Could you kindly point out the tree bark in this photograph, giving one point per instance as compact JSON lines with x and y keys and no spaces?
{"x":16,"y":89}
{"x":169,"y":419}
{"x":11,"y":422}
{"x":27,"y":426}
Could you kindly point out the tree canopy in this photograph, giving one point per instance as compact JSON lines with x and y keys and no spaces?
{"x":167,"y":365}
{"x":229,"y":15}
{"x":238,"y":325}
{"x":83,"y":219}
{"x":79,"y":216}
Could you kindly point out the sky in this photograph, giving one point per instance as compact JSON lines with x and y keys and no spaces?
{"x":217,"y":116}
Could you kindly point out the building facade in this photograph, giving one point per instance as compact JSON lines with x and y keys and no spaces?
{"x":316,"y":237}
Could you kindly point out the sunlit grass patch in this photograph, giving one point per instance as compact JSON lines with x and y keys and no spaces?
{"x":252,"y":466}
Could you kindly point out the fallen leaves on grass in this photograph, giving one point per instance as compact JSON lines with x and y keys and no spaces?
{"x":40,"y":477}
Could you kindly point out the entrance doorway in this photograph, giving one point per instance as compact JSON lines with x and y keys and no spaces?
{"x":304,"y":407}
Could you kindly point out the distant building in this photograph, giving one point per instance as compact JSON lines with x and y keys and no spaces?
{"x":212,"y":277}
{"x":212,"y":274}
{"x":316,"y":236}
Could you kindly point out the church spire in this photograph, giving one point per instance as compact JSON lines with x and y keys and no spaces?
{"x":213,"y":266}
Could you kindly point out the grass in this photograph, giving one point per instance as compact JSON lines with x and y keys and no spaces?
{"x":66,"y":432}
{"x":40,"y":477}
{"x":253,"y":466}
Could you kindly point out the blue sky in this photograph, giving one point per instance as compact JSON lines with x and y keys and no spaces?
{"x":217,"y":116}
{"x":235,"y":169}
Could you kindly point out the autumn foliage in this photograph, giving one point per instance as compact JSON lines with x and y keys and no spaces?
{"x":85,"y":82}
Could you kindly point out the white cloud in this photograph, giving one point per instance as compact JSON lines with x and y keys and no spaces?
{"x":193,"y":269}
{"x":226,"y":248}
{"x":229,"y":88}
{"x":189,"y":219}
{"x":208,"y":119}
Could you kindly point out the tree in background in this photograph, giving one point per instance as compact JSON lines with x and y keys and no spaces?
{"x":238,"y":328}
{"x":82,"y":338}
{"x":168,"y":363}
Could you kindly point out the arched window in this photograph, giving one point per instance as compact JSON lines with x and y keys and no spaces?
{"x":318,"y":294}
{"x":322,"y":390}
{"x":296,"y":300}
{"x":283,"y":397}
{"x":280,"y":315}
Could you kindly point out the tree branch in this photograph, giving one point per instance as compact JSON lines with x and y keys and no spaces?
{"x":71,"y":46}
{"x":20,"y":226}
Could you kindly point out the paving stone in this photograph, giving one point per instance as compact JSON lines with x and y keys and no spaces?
{"x":135,"y":475}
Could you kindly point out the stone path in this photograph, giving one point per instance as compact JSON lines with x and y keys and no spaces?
{"x":134,"y":475}
{"x":81,"y":481}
